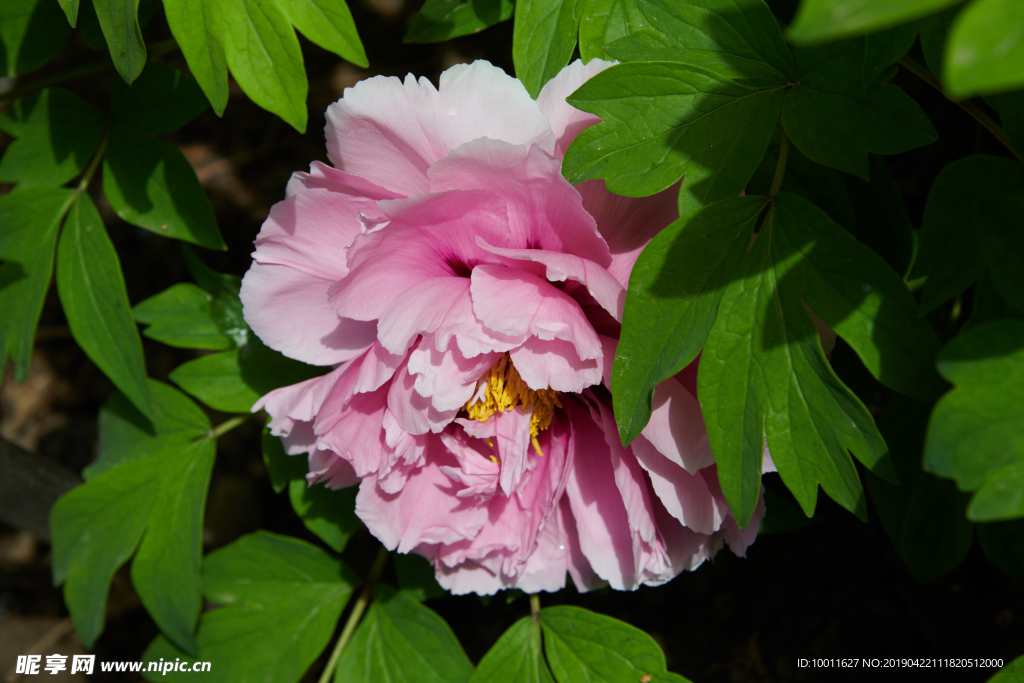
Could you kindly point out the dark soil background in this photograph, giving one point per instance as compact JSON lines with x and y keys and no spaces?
{"x":836,"y":588}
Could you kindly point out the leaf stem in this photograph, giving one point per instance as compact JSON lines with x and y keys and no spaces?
{"x":357,"y":612}
{"x":534,"y":605}
{"x":94,"y":163}
{"x":780,"y":168}
{"x":225,"y":427}
{"x":974,"y":110}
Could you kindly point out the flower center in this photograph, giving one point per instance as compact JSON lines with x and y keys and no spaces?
{"x":503,"y":389}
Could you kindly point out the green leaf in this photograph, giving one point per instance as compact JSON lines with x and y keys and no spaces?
{"x":161,"y":101}
{"x":31,"y":32}
{"x":923,"y":515}
{"x":125,"y":435}
{"x":328,"y":513}
{"x":976,"y":433}
{"x":329,"y":24}
{"x":543,"y":40}
{"x":663,"y":120}
{"x":605,"y":21}
{"x":180,"y":316}
{"x":1011,"y":115}
{"x":737,"y":39}
{"x":281,"y":467}
{"x":57,"y":134}
{"x":264,"y":56}
{"x":885,"y":48}
{"x":120,"y":23}
{"x":517,"y":657}
{"x":835,"y":121}
{"x":583,"y":646}
{"x":985,"y":50}
{"x":934,"y":32}
{"x":225,"y":307}
{"x":1003,"y":543}
{"x":401,"y":640}
{"x":232,"y":381}
{"x":763,"y":373}
{"x":95,"y":301}
{"x":283,"y":598}
{"x":1011,"y":673}
{"x":194,"y":25}
{"x":673,"y":295}
{"x":98,"y":525}
{"x":150,"y":184}
{"x":70,"y":8}
{"x":441,"y":20}
{"x":966,"y":223}
{"x":416,"y":577}
{"x":822,"y":20}
{"x":30,"y":218}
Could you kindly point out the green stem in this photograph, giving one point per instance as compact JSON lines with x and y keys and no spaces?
{"x":780,"y":168}
{"x":94,"y":163}
{"x":534,"y":605}
{"x":154,"y":50}
{"x":225,"y":427}
{"x":969,"y":107}
{"x":357,"y":613}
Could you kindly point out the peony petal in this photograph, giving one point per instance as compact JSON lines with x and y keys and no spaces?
{"x":514,"y":302}
{"x":421,"y":309}
{"x":288,"y":311}
{"x":390,"y":132}
{"x":331,"y":469}
{"x":324,"y":177}
{"x":605,"y":289}
{"x":447,"y":378}
{"x":601,"y":521}
{"x":685,"y":496}
{"x":512,"y":433}
{"x":677,"y":428}
{"x":555,"y":365}
{"x":544,"y":210}
{"x":311,"y":232}
{"x":628,"y":223}
{"x":424,"y":512}
{"x":376,"y":368}
{"x":432,"y":236}
{"x":566,"y":120}
{"x":630,"y":480}
{"x":414,"y":412}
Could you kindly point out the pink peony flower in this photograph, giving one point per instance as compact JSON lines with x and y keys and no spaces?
{"x":470,"y":299}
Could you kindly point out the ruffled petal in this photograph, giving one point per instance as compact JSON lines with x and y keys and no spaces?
{"x":414,"y":412}
{"x":512,"y":434}
{"x":544,"y":209}
{"x":390,"y":132}
{"x":685,"y":496}
{"x":677,"y":428}
{"x":447,"y":378}
{"x":324,"y":177}
{"x":514,"y":302}
{"x":421,"y":309}
{"x":288,"y":311}
{"x":555,"y":365}
{"x":566,"y":120}
{"x":331,"y":469}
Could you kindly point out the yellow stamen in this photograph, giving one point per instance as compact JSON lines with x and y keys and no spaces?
{"x":503,"y":389}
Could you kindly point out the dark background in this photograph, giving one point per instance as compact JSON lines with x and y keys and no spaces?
{"x":836,"y":588}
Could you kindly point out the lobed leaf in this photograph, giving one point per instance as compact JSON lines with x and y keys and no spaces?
{"x":263,"y":54}
{"x":120,"y":23}
{"x":31,"y":218}
{"x":401,"y":640}
{"x":823,"y":20}
{"x":663,"y":120}
{"x":194,"y":25}
{"x":543,"y":40}
{"x":57,"y":133}
{"x":181,"y":316}
{"x":95,"y":301}
{"x":329,"y":24}
{"x":583,"y":646}
{"x":97,"y":526}
{"x":283,"y":598}
{"x":976,"y":432}
{"x":150,"y":184}
{"x":31,"y":32}
{"x":674,"y":290}
{"x":70,"y":8}
{"x":985,"y":50}
{"x":517,"y":657}
{"x":602,"y":22}
{"x":328,"y":513}
{"x":440,"y":20}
